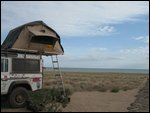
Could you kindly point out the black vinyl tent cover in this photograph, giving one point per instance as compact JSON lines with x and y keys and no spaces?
{"x":34,"y":37}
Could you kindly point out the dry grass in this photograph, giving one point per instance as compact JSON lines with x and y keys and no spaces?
{"x":79,"y":81}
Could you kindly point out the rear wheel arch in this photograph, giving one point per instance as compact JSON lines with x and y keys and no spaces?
{"x":16,"y":84}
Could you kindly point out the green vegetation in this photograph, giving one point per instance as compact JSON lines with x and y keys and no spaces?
{"x":48,"y":100}
{"x":115,"y":90}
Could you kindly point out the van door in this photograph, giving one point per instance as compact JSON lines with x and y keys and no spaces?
{"x":4,"y":74}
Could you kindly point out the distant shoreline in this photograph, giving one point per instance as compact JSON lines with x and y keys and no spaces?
{"x":145,"y":71}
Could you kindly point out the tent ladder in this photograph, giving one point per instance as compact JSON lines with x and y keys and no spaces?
{"x":58,"y":74}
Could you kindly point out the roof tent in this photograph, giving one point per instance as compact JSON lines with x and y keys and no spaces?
{"x":34,"y":37}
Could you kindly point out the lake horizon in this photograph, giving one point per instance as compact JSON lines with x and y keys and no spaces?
{"x":114,"y":70}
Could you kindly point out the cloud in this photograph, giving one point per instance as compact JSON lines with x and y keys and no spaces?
{"x":137,"y":58}
{"x":139,"y":38}
{"x":107,"y":29}
{"x":147,"y":39}
{"x":136,"y":55}
{"x":98,"y":49}
{"x":144,"y":39}
{"x":139,"y":50}
{"x":131,"y":58}
{"x":76,"y":18}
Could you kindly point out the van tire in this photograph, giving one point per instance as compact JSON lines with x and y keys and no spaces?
{"x":18,"y":97}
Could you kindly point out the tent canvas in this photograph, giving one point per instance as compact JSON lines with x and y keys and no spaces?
{"x":35,"y":37}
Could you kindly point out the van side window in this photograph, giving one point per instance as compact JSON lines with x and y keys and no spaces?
{"x":25,"y":65}
{"x":4,"y":65}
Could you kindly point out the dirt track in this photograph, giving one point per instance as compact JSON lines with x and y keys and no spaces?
{"x":100,"y":102}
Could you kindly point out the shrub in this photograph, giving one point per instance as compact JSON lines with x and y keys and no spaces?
{"x":115,"y":90}
{"x":51,"y":100}
{"x":125,"y":89}
{"x":47,"y":83}
{"x":69,"y":89}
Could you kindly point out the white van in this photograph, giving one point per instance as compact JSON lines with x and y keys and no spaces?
{"x":20,"y":73}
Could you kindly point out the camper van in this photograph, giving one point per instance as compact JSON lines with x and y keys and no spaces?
{"x":21,"y":60}
{"x":20,"y":73}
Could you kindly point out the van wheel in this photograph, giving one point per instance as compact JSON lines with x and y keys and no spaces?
{"x":18,"y":97}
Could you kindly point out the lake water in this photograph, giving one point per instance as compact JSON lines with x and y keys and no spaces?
{"x":101,"y":70}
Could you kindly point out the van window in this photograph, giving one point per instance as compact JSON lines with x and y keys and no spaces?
{"x":4,"y":65}
{"x":25,"y":66}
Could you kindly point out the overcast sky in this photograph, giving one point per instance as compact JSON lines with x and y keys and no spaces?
{"x":94,"y":34}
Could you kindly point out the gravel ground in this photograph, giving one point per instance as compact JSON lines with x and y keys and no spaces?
{"x":141,"y":104}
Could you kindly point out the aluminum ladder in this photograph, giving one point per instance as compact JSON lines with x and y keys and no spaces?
{"x":58,"y":74}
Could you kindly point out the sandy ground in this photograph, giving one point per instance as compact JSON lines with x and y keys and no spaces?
{"x":101,"y":102}
{"x":14,"y":110}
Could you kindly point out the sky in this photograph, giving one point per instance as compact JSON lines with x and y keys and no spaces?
{"x":94,"y":34}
